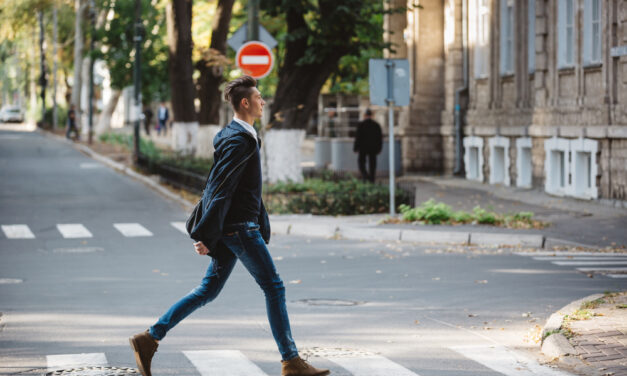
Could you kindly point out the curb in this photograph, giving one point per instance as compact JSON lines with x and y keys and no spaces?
{"x":556,"y":345}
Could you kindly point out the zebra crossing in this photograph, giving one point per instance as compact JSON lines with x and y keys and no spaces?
{"x":234,"y":363}
{"x":80,"y":231}
{"x":612,"y":265}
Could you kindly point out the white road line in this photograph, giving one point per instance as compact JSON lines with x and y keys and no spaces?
{"x":132,"y":229}
{"x":74,"y":230}
{"x":179,"y":226}
{"x":584,"y":263}
{"x":616,"y":275}
{"x":568,"y":253}
{"x":223,"y":363}
{"x":374,"y":365}
{"x":617,"y":269}
{"x":10,"y":281}
{"x":71,"y":361}
{"x":583,"y":258}
{"x":17,"y":232}
{"x":507,"y":362}
{"x":90,"y":165}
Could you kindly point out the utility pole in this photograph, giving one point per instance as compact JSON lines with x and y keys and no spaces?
{"x":253,"y":20}
{"x":42,"y":62}
{"x":55,"y":37}
{"x":92,"y":19}
{"x":137,"y":77}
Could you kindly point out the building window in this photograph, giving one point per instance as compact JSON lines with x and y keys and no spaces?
{"x":566,"y":33}
{"x":592,"y":37}
{"x":531,"y":36}
{"x":507,"y":37}
{"x":482,"y":52}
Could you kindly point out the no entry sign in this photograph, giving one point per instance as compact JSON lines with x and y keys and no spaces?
{"x":255,"y":59}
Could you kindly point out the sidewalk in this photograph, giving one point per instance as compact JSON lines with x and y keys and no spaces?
{"x":597,"y":331}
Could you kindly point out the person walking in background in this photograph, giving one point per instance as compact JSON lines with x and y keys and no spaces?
{"x":162,"y":118}
{"x":368,"y":143}
{"x":147,"y":119}
{"x":71,"y":123}
{"x":233,"y":225}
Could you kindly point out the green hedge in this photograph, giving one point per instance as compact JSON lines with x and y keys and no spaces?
{"x":322,"y":197}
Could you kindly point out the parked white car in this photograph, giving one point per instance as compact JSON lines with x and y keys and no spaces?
{"x":11,"y":114}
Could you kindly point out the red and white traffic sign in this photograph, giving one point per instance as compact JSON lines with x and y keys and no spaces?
{"x":255,"y":59}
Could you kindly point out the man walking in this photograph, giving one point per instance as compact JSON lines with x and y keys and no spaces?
{"x":368,"y":143}
{"x":71,"y":123}
{"x":234,"y":225}
{"x":162,"y":116}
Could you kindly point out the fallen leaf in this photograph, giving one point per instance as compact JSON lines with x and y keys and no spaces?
{"x":295,"y":281}
{"x":481,"y":282}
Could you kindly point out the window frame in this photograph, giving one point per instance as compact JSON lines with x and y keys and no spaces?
{"x":482,"y":51}
{"x":564,"y":45}
{"x":592,"y":52}
{"x":507,"y":47}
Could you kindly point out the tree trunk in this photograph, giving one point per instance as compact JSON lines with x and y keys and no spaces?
{"x":181,"y":68}
{"x":104,"y":122}
{"x":78,"y":59}
{"x":55,"y":40}
{"x":296,"y":97}
{"x":211,"y":67}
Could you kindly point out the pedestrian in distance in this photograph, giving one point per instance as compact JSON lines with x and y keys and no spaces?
{"x":162,"y":118}
{"x":368,"y":143}
{"x":147,"y":119}
{"x":71,"y":124}
{"x":234,"y":226}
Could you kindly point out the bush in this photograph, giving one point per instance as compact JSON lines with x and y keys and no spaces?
{"x":432,"y":212}
{"x":321,"y":197}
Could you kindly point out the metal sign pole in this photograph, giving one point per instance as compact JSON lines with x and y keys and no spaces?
{"x":389,"y":64}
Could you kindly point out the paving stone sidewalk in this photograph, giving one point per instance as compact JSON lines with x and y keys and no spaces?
{"x":601,"y":342}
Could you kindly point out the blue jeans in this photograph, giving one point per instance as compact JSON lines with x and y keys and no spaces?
{"x":241,"y":241}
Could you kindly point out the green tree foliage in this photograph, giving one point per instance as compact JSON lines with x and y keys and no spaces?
{"x":116,"y":46}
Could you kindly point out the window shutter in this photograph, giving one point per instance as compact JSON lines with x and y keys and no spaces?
{"x":587,"y":32}
{"x":531,"y":37}
{"x":561,"y":33}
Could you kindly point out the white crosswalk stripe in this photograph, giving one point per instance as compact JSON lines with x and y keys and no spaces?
{"x":179,"y":226}
{"x":581,"y":258}
{"x":132,"y":229}
{"x":607,"y":264}
{"x":505,"y":361}
{"x":374,"y":365}
{"x":228,"y":362}
{"x":74,"y":231}
{"x":72,"y":361}
{"x":587,"y":263}
{"x":17,"y":232}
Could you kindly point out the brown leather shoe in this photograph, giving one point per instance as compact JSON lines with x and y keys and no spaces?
{"x":144,"y":347}
{"x":298,"y":367}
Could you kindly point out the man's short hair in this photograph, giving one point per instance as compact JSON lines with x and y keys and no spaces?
{"x":239,"y":89}
{"x":368,"y":112}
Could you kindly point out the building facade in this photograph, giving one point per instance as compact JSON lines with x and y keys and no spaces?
{"x":540,"y":89}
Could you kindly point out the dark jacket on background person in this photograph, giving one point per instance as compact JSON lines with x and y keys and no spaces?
{"x":233,"y":188}
{"x":369,"y":139}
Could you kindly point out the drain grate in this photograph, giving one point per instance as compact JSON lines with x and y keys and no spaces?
{"x":329,"y":302}
{"x":96,"y":371}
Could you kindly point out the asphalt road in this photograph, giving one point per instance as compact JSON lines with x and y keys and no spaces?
{"x":422,"y":310}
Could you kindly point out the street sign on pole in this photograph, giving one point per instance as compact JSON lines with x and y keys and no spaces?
{"x":389,"y":85}
{"x":255,"y":59}
{"x":240,"y":36}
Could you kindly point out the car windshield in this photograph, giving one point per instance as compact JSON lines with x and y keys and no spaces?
{"x":14,"y":110}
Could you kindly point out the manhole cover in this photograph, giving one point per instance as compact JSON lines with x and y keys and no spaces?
{"x":95,"y":371}
{"x":329,"y":302}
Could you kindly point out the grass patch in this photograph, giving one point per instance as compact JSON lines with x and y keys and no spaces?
{"x":156,"y":155}
{"x":592,"y":304}
{"x":434,"y":213}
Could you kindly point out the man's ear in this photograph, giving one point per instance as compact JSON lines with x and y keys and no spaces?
{"x":244,"y":102}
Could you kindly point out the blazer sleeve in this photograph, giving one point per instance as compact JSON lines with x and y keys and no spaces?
{"x":219,"y":192}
